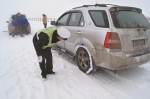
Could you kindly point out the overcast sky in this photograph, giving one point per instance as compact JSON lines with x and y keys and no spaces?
{"x":54,"y":8}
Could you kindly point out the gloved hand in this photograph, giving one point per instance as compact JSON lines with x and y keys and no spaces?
{"x":65,"y":39}
{"x":40,"y":59}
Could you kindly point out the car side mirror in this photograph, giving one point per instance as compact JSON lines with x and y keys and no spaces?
{"x":53,"y":23}
{"x":7,"y":21}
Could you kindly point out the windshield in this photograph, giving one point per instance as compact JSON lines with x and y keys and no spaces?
{"x":129,"y":19}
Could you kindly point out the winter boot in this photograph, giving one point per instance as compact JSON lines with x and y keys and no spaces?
{"x":51,"y":72}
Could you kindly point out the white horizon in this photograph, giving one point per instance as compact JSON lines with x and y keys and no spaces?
{"x":53,"y":9}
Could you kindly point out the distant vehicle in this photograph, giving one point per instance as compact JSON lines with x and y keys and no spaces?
{"x":110,"y":36}
{"x":11,"y":28}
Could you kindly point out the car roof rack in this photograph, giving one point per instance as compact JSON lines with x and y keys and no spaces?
{"x":96,"y":5}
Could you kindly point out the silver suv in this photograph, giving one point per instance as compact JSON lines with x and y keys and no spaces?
{"x":106,"y":35}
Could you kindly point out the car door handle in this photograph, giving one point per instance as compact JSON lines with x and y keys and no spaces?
{"x":79,"y":32}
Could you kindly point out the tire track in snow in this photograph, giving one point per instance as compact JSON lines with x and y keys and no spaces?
{"x":124,"y":82}
{"x":108,"y":82}
{"x":18,"y":77}
{"x":128,"y":83}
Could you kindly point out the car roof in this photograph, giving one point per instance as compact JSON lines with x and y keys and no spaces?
{"x":96,"y":5}
{"x":104,"y":6}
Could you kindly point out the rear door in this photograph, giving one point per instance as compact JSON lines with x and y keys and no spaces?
{"x":133,"y":29}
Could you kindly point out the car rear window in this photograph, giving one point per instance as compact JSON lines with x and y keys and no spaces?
{"x":129,"y":19}
{"x":99,"y":18}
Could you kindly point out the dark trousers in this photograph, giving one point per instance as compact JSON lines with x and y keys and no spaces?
{"x":24,"y":29}
{"x":17,"y":30}
{"x":47,"y":64}
{"x":45,"y":25}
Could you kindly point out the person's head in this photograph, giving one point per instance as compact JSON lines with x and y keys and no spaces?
{"x":63,"y":33}
{"x":43,"y":15}
{"x":19,"y":14}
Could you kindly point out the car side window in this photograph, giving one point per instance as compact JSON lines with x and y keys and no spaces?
{"x":99,"y":18}
{"x":63,"y":20}
{"x":75,"y":19}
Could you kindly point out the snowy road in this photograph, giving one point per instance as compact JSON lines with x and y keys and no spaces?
{"x":20,"y":75}
{"x":132,"y":83}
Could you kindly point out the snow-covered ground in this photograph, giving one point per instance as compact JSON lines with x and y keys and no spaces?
{"x":20,"y":75}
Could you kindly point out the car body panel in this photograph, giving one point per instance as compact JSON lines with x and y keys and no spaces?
{"x":128,"y":36}
{"x":118,"y":60}
{"x":76,"y":34}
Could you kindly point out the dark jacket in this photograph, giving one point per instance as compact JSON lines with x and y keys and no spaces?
{"x":16,"y":18}
{"x":43,"y":41}
{"x":14,"y":23}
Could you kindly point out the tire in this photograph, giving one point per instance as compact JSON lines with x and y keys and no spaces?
{"x":83,"y":60}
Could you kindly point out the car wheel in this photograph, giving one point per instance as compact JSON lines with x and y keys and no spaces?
{"x":83,"y":60}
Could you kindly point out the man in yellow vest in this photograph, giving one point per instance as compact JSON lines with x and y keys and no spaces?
{"x":43,"y":40}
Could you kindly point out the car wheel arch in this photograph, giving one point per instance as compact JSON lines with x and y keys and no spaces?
{"x":92,"y":64}
{"x":85,"y":42}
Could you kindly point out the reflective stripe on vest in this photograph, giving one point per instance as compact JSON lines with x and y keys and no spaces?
{"x":49,"y":32}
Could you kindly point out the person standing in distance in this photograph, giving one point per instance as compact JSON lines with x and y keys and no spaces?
{"x":43,"y":40}
{"x":44,"y":20}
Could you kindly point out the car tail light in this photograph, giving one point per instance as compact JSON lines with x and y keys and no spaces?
{"x":112,"y":41}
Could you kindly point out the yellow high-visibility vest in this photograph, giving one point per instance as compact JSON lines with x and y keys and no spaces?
{"x":49,"y":32}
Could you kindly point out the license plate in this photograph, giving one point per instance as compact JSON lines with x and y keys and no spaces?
{"x":138,"y":42}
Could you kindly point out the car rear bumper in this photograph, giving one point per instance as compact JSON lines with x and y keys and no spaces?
{"x":117,"y":61}
{"x":11,"y":29}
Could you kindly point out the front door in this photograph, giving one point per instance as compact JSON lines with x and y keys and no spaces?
{"x":76,"y":26}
